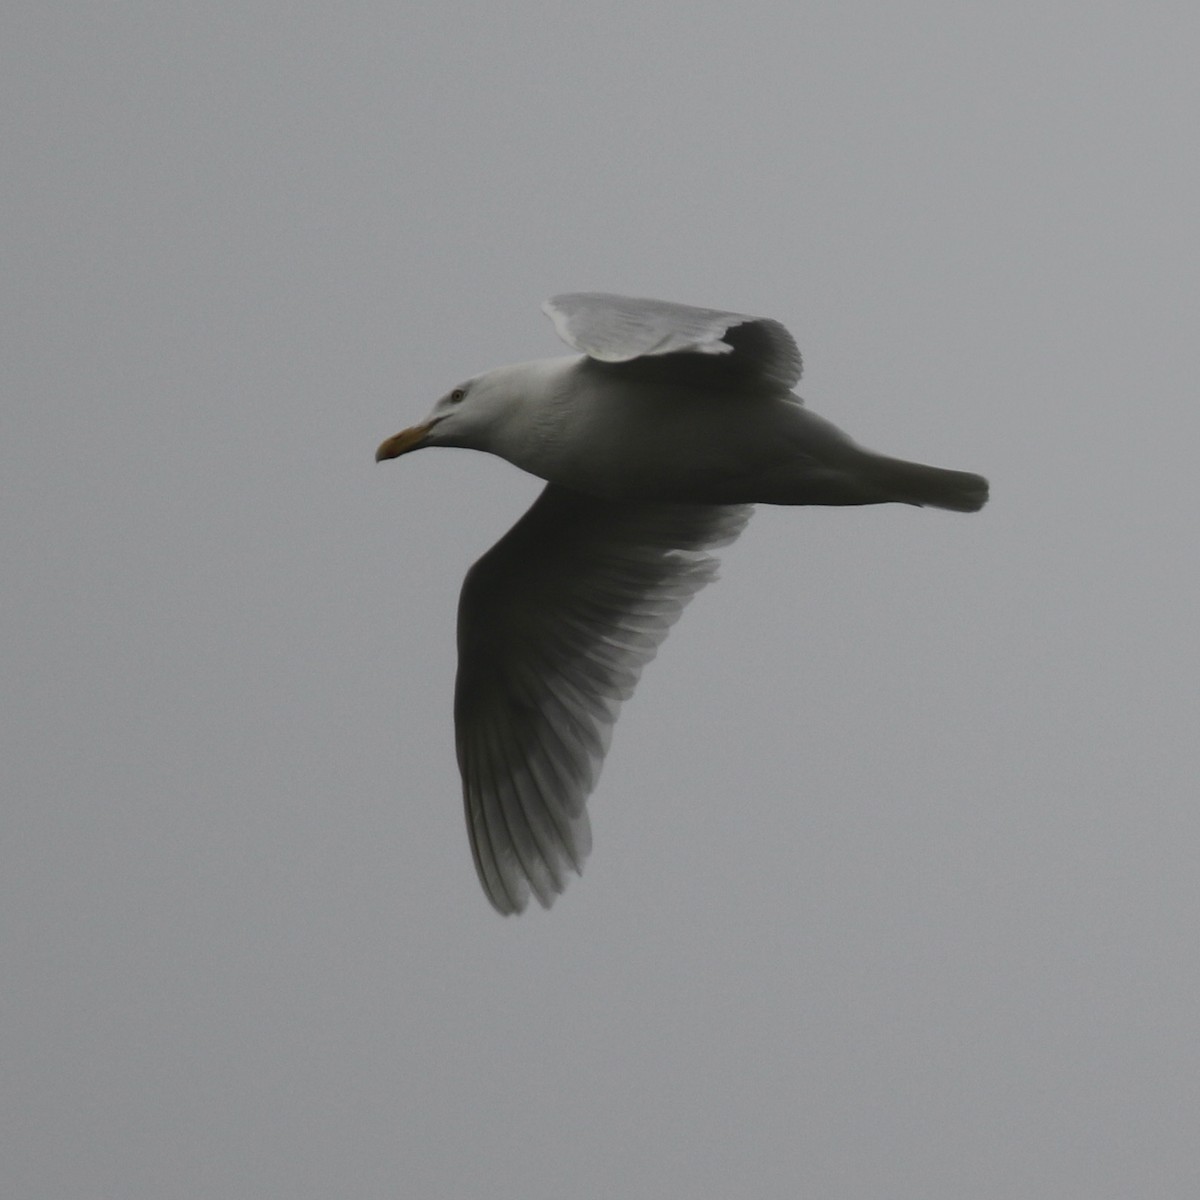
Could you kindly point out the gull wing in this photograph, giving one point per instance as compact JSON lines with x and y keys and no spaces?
{"x":555,"y":623}
{"x":655,"y":336}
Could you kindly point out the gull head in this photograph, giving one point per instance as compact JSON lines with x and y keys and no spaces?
{"x":480,"y":414}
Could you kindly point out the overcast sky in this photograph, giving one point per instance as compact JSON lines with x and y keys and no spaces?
{"x":894,"y":890}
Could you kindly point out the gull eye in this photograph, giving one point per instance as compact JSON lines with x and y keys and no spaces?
{"x":457,"y":395}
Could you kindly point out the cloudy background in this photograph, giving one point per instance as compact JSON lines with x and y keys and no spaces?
{"x":894,"y":890}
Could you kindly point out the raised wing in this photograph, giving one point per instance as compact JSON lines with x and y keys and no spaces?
{"x":555,"y":623}
{"x":694,"y":341}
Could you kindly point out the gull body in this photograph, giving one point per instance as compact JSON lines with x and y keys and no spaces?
{"x":654,"y":443}
{"x":582,"y":424}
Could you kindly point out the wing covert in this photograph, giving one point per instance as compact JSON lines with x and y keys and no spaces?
{"x":661,"y":336}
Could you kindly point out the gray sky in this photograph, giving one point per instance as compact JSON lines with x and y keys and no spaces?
{"x":894,"y":890}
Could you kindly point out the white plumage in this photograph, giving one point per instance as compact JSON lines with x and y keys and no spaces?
{"x":655,"y":441}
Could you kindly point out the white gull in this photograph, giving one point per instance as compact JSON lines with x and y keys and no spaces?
{"x":655,"y":440}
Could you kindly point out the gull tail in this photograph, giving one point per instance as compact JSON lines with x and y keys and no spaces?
{"x":935,"y":487}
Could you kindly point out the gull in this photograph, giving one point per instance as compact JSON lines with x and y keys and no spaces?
{"x":655,"y":439}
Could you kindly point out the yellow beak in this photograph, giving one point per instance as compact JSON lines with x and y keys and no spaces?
{"x":404,"y":441}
